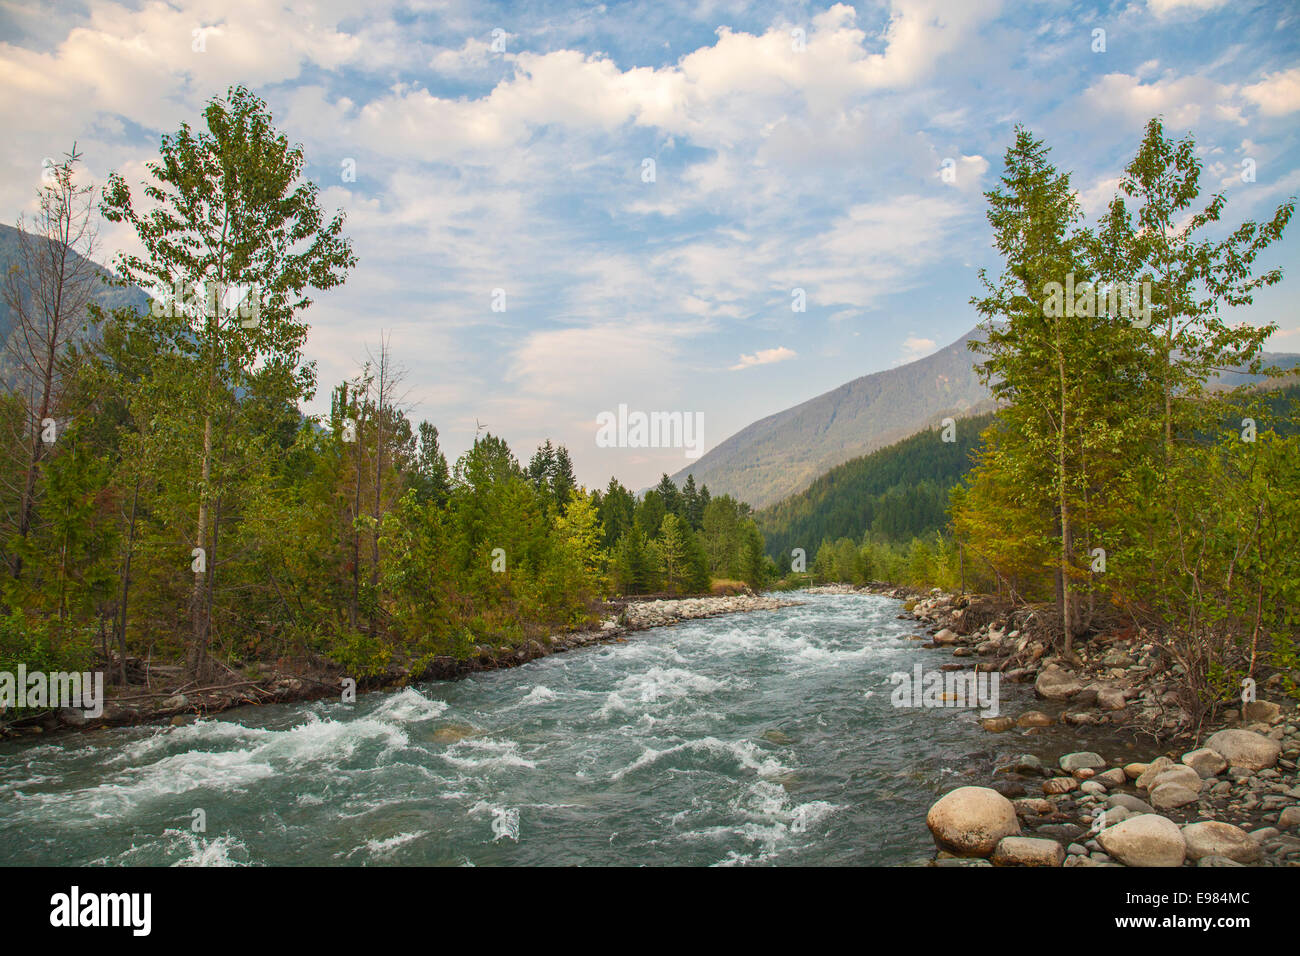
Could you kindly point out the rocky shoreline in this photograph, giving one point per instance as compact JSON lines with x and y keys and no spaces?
{"x":1233,"y":800}
{"x":178,"y":702}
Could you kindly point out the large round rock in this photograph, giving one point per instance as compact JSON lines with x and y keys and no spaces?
{"x":1146,"y":840}
{"x":1212,"y":838}
{"x":1245,"y":748}
{"x":970,"y":821}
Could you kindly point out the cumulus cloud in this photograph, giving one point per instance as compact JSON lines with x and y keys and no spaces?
{"x":1277,"y":94}
{"x":764,"y":357}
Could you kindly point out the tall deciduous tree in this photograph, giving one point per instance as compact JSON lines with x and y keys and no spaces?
{"x":231,"y":217}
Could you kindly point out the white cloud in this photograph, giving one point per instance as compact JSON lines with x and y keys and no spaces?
{"x":1277,"y":94}
{"x":915,"y":347}
{"x":1166,"y":8}
{"x":764,"y":357}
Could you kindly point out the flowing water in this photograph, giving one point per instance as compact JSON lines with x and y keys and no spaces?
{"x":766,"y":737}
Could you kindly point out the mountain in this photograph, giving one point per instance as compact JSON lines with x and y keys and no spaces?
{"x":901,"y":492}
{"x":897,"y":493}
{"x":108,"y":297}
{"x":783,"y":453}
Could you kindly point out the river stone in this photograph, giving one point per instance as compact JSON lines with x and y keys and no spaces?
{"x":1084,"y":759}
{"x":175,"y":702}
{"x":969,"y":821}
{"x":996,"y":725}
{"x":1212,"y":838}
{"x":1217,"y":861}
{"x":1059,"y":785}
{"x":1027,"y":764}
{"x":1128,"y":802}
{"x":1154,"y":769}
{"x":1246,"y":749}
{"x":1184,"y":776}
{"x":1112,"y":778}
{"x":1167,"y":796}
{"x":1056,"y":684}
{"x":72,"y":716}
{"x":1146,"y":840}
{"x":1135,"y":770}
{"x":1092,"y":787}
{"x":1261,"y":711}
{"x":1033,"y":807}
{"x":1008,"y":788}
{"x":1290,"y":817}
{"x":1113,"y":815}
{"x":1110,"y":698}
{"x":945,"y":637}
{"x":1034,"y":718}
{"x":1027,"y":851}
{"x":1206,"y":762}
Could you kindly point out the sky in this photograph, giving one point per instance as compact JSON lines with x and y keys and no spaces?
{"x":561,"y":208}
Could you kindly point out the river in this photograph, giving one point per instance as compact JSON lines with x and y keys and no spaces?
{"x":760,"y":738}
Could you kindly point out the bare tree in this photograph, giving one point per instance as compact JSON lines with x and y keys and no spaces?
{"x":47,"y":291}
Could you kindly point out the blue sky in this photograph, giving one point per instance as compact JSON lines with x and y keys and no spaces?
{"x":776,"y":168}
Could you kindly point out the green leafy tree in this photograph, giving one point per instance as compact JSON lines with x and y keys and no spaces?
{"x":229,"y":215}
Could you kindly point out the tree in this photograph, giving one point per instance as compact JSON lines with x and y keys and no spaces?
{"x":47,"y":292}
{"x":230,"y":218}
{"x":1194,"y":277}
{"x":672,"y":549}
{"x":563,"y":484}
{"x":1028,"y":342}
{"x":430,"y":478}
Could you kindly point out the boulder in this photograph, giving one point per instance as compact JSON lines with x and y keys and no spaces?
{"x":996,"y":725}
{"x":1260,"y":711}
{"x":1185,"y":776}
{"x":1206,"y":762}
{"x":1153,"y":770}
{"x":1112,"y":778}
{"x":1059,"y":785}
{"x":1027,"y":851}
{"x":1054,"y":683}
{"x":1111,"y":698}
{"x":1167,"y":796}
{"x":969,"y":821}
{"x":1033,"y":807}
{"x":1027,"y":764}
{"x":1081,"y":760}
{"x":945,"y":637}
{"x":1034,"y":718}
{"x":1146,"y":840}
{"x":1128,"y":802}
{"x":1212,"y":838}
{"x":1246,"y":749}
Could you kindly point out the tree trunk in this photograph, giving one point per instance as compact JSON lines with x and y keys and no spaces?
{"x":126,"y":581}
{"x":198,"y":652}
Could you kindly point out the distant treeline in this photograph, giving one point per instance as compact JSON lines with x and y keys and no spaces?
{"x":892,"y":495}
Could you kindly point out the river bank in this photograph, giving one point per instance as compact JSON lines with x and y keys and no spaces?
{"x":170,"y":698}
{"x":1226,"y":793}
